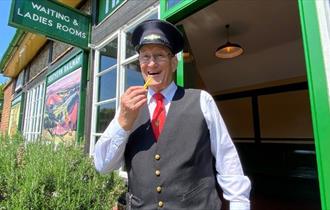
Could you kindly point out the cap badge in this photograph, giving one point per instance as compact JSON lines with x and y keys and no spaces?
{"x":151,"y":37}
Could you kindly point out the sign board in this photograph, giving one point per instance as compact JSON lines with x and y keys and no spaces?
{"x":51,"y":19}
{"x":65,"y":69}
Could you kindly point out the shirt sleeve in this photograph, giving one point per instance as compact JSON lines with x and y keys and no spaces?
{"x":109,"y":149}
{"x":236,"y":187}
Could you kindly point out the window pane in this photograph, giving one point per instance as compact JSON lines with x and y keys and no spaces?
{"x":133,"y":75}
{"x":130,"y":51}
{"x":34,"y":111}
{"x":172,"y":3}
{"x":108,"y":55}
{"x":105,"y":114}
{"x":107,"y":85}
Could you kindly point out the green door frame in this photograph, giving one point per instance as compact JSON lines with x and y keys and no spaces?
{"x":318,"y":93}
{"x":182,"y":9}
{"x":316,"y":76}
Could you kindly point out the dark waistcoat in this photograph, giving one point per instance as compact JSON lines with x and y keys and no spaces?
{"x":177,"y":171}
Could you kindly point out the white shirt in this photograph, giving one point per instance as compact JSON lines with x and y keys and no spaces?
{"x":109,"y":150}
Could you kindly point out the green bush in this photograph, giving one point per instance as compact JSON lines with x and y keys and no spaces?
{"x":44,"y":176}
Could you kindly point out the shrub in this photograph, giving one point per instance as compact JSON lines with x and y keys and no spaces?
{"x":41,"y":176}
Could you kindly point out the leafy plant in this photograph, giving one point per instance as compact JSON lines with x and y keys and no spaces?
{"x":42,"y":175}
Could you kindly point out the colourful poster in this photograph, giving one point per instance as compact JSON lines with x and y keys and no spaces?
{"x":61,"y":108}
{"x":14,"y":119}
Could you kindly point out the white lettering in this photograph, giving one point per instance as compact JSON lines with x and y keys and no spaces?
{"x":50,"y":12}
{"x":35,"y":6}
{"x":27,"y":15}
{"x":19,"y":12}
{"x":72,"y":31}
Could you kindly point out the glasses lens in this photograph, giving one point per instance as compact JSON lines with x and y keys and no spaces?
{"x":157,"y":58}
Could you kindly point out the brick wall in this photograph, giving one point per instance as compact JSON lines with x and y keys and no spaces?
{"x":7,"y":97}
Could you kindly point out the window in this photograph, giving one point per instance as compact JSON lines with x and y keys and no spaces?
{"x":34,"y":112}
{"x":19,"y":81}
{"x":106,"y":7}
{"x":116,"y":68}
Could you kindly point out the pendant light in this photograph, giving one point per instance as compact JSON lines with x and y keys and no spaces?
{"x":228,"y":50}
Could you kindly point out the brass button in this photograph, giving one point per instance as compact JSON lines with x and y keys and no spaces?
{"x":157,"y":172}
{"x":159,"y":189}
{"x":157,"y":157}
{"x":160,"y":203}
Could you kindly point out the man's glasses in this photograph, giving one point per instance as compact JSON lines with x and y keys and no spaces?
{"x":157,"y":58}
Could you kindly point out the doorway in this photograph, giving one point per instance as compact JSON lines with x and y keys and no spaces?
{"x":262,"y":95}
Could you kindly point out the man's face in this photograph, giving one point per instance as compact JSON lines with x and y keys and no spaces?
{"x":158,"y":62}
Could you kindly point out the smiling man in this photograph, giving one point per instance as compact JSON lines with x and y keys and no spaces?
{"x":174,"y":143}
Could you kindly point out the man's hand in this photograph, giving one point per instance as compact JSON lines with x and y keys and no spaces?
{"x":130,"y":104}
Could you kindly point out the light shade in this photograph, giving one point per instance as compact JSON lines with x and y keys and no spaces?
{"x":229,"y":50}
{"x":187,"y":57}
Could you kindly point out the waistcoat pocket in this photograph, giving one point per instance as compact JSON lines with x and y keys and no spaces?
{"x":202,"y":185}
{"x":132,"y":201}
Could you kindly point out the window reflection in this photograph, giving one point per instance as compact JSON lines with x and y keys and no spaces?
{"x":108,"y":56}
{"x":172,"y":3}
{"x":105,"y":113}
{"x":133,"y":75}
{"x":130,"y":51}
{"x":97,"y":138}
{"x":107,"y":85}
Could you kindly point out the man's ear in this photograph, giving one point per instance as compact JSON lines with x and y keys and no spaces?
{"x":174,"y":62}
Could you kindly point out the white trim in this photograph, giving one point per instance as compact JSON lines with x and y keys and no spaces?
{"x":105,"y":102}
{"x":323,"y":12}
{"x":107,"y":40}
{"x":130,"y":59}
{"x":94,"y":100}
{"x":121,"y":70}
{"x":111,"y":68}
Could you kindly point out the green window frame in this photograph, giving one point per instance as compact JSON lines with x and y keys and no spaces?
{"x":107,"y":7}
{"x":318,"y":91}
{"x":181,"y":9}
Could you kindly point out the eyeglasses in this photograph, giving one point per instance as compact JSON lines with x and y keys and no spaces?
{"x":157,"y":58}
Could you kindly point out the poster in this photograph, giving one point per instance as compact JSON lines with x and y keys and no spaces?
{"x":14,"y":119}
{"x":61,"y":108}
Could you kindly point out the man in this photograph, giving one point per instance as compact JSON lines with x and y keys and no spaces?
{"x":174,"y":142}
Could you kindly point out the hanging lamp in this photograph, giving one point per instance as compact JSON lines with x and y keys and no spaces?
{"x":228,"y":50}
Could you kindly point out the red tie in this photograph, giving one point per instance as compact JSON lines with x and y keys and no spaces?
{"x":159,"y":116}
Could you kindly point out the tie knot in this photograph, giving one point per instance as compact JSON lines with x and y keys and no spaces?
{"x":158,"y":96}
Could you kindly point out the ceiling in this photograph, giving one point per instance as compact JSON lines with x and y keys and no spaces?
{"x":268,"y":30}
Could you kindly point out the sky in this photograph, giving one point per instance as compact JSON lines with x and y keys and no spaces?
{"x":6,"y":32}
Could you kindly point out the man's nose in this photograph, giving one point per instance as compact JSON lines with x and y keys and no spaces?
{"x":152,"y":61}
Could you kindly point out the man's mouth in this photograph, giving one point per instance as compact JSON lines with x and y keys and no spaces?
{"x":153,"y":73}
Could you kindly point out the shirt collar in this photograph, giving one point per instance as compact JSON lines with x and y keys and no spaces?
{"x":168,"y":92}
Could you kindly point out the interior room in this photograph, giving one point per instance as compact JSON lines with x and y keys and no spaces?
{"x":262,"y":94}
